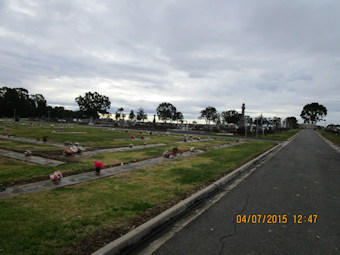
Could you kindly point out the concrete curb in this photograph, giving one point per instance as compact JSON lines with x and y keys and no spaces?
{"x":31,"y":159}
{"x":137,"y":234}
{"x":293,"y":137}
{"x":333,"y":145}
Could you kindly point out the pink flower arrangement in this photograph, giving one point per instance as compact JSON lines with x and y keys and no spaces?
{"x":56,"y":176}
{"x":27,"y":153}
{"x":133,"y":137}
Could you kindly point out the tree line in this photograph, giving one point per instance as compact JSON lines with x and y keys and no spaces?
{"x":210,"y":114}
{"x":18,"y":102}
{"x":93,"y":103}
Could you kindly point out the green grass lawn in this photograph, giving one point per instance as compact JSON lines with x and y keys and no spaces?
{"x":332,"y":137}
{"x":23,"y":146}
{"x":13,"y":170}
{"x":85,"y":135}
{"x":281,"y":136}
{"x":56,"y":221}
{"x":277,"y":136}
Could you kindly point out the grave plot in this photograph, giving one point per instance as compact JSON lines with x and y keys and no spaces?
{"x":21,"y":146}
{"x":30,"y":158}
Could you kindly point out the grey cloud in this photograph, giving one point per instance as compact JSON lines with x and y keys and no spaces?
{"x":192,"y":53}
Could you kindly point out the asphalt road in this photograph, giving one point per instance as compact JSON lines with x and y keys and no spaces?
{"x":301,"y":179}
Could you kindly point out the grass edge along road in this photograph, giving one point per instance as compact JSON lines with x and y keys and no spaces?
{"x":334,"y":138}
{"x":85,"y":216}
{"x":277,"y":136}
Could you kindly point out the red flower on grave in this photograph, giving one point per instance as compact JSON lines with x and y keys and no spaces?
{"x":98,"y":164}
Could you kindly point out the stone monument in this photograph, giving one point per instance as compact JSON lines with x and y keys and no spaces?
{"x":241,"y":122}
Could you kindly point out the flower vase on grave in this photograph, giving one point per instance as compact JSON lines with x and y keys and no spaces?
{"x":97,"y":170}
{"x":56,"y":177}
{"x":98,"y":166}
{"x":2,"y":187}
{"x":27,"y":153}
{"x":174,"y":151}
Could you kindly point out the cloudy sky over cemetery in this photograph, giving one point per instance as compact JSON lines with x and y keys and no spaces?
{"x":275,"y":56}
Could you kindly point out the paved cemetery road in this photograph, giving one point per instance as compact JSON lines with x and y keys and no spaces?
{"x":301,"y":179}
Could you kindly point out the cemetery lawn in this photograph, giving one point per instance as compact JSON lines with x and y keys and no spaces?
{"x":285,"y":135}
{"x":15,"y":172}
{"x":82,"y":218}
{"x":278,"y":136}
{"x":331,"y":137}
{"x":87,"y":136}
{"x":23,"y":146}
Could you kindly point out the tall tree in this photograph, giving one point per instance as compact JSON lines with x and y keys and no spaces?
{"x":217,"y":119}
{"x":231,"y":116}
{"x":312,"y":113}
{"x":166,"y":111}
{"x":178,"y":117}
{"x":39,"y":105}
{"x":15,"y":101}
{"x":93,"y":103}
{"x":121,"y":114}
{"x":209,"y":114}
{"x":3,"y":103}
{"x":276,"y":122}
{"x":261,"y":120}
{"x":291,"y":122}
{"x":141,"y":115}
{"x":117,"y":115}
{"x":132,"y":115}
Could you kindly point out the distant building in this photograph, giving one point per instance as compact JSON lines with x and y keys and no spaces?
{"x":308,"y":126}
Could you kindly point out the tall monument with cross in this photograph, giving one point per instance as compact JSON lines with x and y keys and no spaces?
{"x":241,"y":122}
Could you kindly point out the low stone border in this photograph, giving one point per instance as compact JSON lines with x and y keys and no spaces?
{"x":196,"y":141}
{"x":71,"y":132}
{"x":31,"y":159}
{"x":28,"y":140}
{"x":135,"y":147}
{"x":131,"y":140}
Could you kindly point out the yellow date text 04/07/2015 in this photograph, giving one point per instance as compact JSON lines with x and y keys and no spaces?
{"x":276,"y":218}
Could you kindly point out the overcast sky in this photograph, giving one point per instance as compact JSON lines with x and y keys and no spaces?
{"x":274,"y":56}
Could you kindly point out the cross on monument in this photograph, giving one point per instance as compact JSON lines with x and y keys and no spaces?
{"x":243,"y":108}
